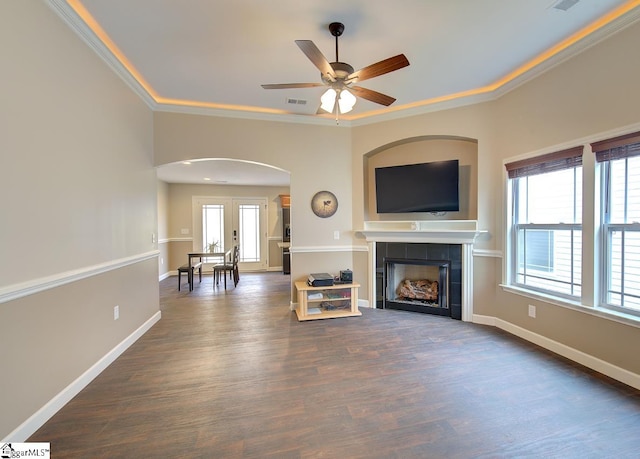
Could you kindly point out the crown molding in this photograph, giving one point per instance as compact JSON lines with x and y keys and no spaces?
{"x":576,"y":48}
{"x":252,"y":115}
{"x":402,"y":112}
{"x":66,"y":13}
{"x":69,"y":16}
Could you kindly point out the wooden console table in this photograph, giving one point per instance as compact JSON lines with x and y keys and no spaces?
{"x":340,"y":300}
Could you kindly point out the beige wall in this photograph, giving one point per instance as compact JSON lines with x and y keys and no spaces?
{"x":163,"y":229}
{"x":55,"y":336}
{"x":590,"y":97}
{"x":163,"y":210}
{"x":77,"y":145}
{"x":318,"y":158}
{"x":471,"y":122}
{"x":78,"y":210}
{"x":423,"y":150}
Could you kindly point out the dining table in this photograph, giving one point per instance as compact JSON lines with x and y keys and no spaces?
{"x":220,"y":256}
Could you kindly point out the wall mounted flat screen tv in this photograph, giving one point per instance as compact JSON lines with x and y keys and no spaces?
{"x":425,"y":187}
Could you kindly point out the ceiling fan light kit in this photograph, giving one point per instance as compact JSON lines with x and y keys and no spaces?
{"x":328,"y":100}
{"x":345,"y":99}
{"x":340,"y":77}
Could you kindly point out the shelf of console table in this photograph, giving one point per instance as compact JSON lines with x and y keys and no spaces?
{"x":330,"y":302}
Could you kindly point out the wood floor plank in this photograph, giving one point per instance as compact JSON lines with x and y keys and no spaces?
{"x":232,"y":373}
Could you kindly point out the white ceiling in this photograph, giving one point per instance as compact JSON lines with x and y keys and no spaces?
{"x":218,"y":171}
{"x":215,"y":54}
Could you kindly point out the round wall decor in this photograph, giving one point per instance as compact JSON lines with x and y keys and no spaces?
{"x":324,"y":204}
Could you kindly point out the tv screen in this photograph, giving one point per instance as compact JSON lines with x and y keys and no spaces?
{"x":425,"y":187}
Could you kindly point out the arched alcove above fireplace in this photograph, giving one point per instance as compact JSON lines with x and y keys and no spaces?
{"x":425,"y":149}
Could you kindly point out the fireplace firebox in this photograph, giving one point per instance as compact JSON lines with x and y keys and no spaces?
{"x":416,"y":267}
{"x":417,"y":285}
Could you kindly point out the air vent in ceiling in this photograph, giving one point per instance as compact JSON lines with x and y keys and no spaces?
{"x":296,"y":101}
{"x":564,"y":5}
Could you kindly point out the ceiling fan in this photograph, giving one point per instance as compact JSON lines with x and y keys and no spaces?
{"x":340,"y":77}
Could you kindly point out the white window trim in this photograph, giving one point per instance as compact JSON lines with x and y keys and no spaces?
{"x":511,"y":237}
{"x":602,"y":267}
{"x":609,"y":314}
{"x":506,"y":285}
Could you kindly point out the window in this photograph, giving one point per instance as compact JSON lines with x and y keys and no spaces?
{"x":212,"y":226}
{"x":619,"y":160}
{"x":539,"y":253}
{"x":546,"y":227}
{"x":249,"y":226}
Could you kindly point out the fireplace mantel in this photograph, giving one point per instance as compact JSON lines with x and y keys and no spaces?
{"x":435,"y":231}
{"x":463,"y":232}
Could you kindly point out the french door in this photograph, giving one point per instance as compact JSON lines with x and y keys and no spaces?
{"x":229,"y":222}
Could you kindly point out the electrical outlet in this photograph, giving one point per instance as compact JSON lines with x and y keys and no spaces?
{"x":116,"y":312}
{"x":336,"y":234}
{"x":532,"y":311}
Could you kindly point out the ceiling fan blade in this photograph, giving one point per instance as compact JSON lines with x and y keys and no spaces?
{"x":291,"y":85}
{"x":379,"y":68}
{"x":315,"y":55}
{"x":371,"y":95}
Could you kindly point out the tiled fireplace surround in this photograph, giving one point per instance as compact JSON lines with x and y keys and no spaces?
{"x":424,"y":252}
{"x":439,"y":240}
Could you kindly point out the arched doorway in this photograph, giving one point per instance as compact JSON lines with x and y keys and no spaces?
{"x":242,"y":195}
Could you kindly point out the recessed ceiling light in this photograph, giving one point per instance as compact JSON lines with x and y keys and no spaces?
{"x":186,"y":162}
{"x":207,"y":179}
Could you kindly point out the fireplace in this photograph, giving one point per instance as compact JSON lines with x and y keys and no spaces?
{"x":426,"y":240}
{"x":416,"y":285}
{"x":400,"y":261}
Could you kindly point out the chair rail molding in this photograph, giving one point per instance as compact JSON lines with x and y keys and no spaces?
{"x":15,"y":291}
{"x":328,"y":248}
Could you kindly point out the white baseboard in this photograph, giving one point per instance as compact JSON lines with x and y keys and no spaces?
{"x":37,"y":420}
{"x":363,"y":303}
{"x":589,"y":361}
{"x":483,"y":320}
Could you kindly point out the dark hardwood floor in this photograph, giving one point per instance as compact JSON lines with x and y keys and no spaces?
{"x":234,"y":374}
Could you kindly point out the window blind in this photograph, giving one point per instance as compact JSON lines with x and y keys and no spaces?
{"x":624,"y":146}
{"x":559,"y":160}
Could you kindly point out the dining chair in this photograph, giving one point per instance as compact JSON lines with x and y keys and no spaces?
{"x":189,"y":271}
{"x":230,"y":267}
